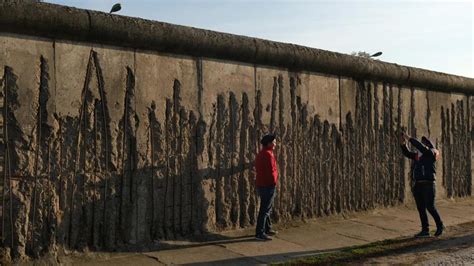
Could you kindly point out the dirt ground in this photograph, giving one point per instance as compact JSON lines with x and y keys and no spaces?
{"x":455,"y":247}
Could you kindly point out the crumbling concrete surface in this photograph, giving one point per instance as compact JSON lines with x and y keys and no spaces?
{"x":107,"y":149}
{"x":113,"y":148}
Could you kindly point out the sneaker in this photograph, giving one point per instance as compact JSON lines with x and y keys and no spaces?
{"x":422,"y":234}
{"x":439,"y":230}
{"x":271,"y":232}
{"x":263,"y":237}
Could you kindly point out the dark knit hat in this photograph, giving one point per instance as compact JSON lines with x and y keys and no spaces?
{"x":267,"y":139}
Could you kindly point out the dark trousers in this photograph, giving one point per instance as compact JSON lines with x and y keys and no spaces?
{"x":266,"y":194}
{"x":425,"y":200}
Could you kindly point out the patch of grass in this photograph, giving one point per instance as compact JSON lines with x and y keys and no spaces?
{"x":359,"y":252}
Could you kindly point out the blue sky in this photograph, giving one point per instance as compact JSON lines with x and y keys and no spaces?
{"x":435,"y":35}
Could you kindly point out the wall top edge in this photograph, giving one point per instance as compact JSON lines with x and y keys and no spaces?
{"x":61,"y":22}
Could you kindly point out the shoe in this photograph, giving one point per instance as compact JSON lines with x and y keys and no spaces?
{"x":263,"y":237}
{"x":271,"y":232}
{"x":439,"y":230}
{"x":422,"y":234}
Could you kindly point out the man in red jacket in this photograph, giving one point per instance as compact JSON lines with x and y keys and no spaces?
{"x":266,"y":181}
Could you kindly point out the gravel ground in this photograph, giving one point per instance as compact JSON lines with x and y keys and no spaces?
{"x":455,"y":247}
{"x":460,"y":257}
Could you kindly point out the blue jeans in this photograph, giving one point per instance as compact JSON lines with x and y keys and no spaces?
{"x":267,"y":195}
{"x":425,"y":200}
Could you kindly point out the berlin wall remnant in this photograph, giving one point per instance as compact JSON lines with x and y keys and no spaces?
{"x":108,"y":147}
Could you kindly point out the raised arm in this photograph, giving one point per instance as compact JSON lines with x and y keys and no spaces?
{"x":422,"y":148}
{"x":409,"y":154}
{"x":403,"y":145}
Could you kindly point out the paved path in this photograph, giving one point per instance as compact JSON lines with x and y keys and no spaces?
{"x":301,"y":239}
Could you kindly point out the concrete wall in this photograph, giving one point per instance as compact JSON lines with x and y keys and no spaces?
{"x":109,"y":147}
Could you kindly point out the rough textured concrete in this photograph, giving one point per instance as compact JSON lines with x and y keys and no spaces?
{"x":114,"y":148}
{"x":227,"y":109}
{"x":140,"y":146}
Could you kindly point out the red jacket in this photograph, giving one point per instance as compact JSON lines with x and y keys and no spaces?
{"x":265,"y":164}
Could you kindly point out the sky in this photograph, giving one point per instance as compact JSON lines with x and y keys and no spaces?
{"x":430,"y":34}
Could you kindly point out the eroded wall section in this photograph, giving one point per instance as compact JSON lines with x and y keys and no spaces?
{"x":106,"y":148}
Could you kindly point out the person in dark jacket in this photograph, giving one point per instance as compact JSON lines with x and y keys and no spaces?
{"x":423,"y":186}
{"x":266,"y":182}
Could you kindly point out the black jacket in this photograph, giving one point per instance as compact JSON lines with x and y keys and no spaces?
{"x":424,"y":166}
